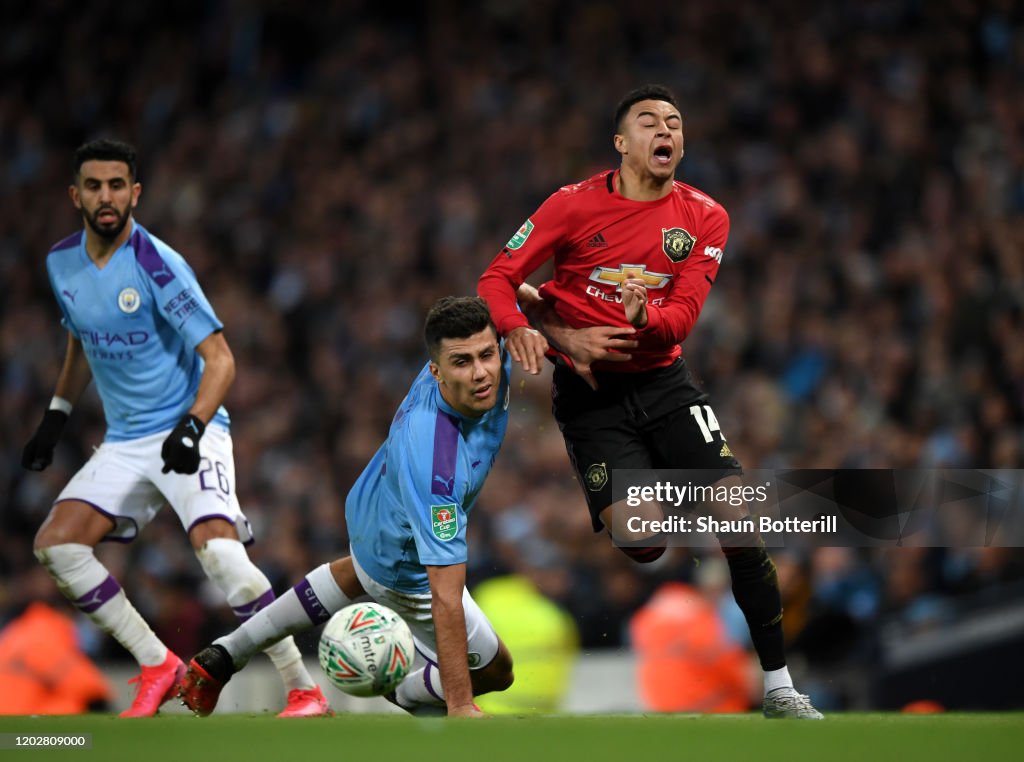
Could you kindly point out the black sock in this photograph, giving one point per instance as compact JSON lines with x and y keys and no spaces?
{"x":216,"y":660}
{"x":755,"y":585}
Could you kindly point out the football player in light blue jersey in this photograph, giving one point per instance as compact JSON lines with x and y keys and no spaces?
{"x":139,"y":324}
{"x":407,"y":514}
{"x":407,"y":517}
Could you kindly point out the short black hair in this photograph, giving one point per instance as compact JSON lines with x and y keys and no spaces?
{"x":105,"y":149}
{"x":645,"y":93}
{"x":455,"y":317}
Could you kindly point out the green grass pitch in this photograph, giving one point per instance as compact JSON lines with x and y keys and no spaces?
{"x":369,"y":738}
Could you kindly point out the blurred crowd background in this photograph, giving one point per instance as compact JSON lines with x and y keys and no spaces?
{"x":330,"y":169}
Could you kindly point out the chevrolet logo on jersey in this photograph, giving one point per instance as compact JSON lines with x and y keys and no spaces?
{"x":617,"y":276}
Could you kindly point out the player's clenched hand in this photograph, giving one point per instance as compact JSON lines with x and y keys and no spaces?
{"x":586,"y":346}
{"x":181,"y":448}
{"x":38,"y":453}
{"x":634,"y":300}
{"x":465,"y":710}
{"x":527,"y":347}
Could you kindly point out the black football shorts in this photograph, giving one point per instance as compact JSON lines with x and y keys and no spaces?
{"x":656,"y":419}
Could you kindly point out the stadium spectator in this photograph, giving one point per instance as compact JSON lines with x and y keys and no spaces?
{"x":43,"y":670}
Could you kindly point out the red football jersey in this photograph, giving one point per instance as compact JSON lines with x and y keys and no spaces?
{"x":598,"y":239}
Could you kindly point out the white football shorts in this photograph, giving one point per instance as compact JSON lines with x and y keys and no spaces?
{"x":123,"y":480}
{"x":414,"y":608}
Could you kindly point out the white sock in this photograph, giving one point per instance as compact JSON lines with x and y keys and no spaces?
{"x":421,"y":689}
{"x":288,"y":660}
{"x":777,"y":678}
{"x":248,"y":591}
{"x":85,"y":582}
{"x":309,"y":603}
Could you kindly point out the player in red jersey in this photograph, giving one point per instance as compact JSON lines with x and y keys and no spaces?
{"x":638,"y":249}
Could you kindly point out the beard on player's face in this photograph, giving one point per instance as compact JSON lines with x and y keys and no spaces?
{"x":107,"y":230}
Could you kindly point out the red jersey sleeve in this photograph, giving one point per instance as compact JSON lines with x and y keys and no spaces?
{"x":539,"y":238}
{"x":670,"y":323}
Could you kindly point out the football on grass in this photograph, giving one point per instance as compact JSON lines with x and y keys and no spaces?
{"x":366,"y":649}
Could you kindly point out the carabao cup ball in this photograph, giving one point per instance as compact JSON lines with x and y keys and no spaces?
{"x":366,"y":649}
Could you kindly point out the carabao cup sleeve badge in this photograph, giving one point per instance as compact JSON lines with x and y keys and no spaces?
{"x":444,"y":521}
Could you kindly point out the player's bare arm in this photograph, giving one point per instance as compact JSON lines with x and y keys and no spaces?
{"x":634,"y":301}
{"x":446,"y":586}
{"x":584,"y":346}
{"x":75,"y":374}
{"x":218,"y":375}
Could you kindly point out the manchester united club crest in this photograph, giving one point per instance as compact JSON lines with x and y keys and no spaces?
{"x":596,"y":477}
{"x":677,"y":243}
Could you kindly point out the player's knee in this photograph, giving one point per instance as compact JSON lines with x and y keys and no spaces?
{"x":752,"y":555}
{"x":53,"y":533}
{"x":499,"y":679}
{"x":498,"y":675}
{"x":72,"y":522}
{"x":505,"y":680}
{"x":644,"y":555}
{"x":214,"y":528}
{"x":64,"y":559}
{"x":44,"y":539}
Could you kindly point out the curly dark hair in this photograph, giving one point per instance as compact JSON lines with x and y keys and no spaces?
{"x":105,"y":149}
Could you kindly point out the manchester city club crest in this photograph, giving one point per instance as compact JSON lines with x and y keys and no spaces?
{"x":677,"y":243}
{"x":128,"y":300}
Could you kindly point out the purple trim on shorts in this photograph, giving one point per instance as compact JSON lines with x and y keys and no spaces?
{"x":248,"y":610}
{"x":149,"y":258}
{"x":99,"y":595}
{"x":426,"y":682}
{"x":426,"y":658}
{"x":116,"y":519}
{"x":201,"y":519}
{"x":315,"y":610}
{"x":446,"y":450}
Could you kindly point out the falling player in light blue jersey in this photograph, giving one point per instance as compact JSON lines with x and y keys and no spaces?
{"x":406,"y":517}
{"x":139,"y":324}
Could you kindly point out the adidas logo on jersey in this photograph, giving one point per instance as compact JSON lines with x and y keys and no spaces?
{"x":597,"y":242}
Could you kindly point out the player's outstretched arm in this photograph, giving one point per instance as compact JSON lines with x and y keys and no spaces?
{"x":74,"y":377}
{"x":446,"y":586}
{"x":582,"y":346}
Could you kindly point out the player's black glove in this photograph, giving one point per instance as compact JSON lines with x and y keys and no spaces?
{"x":38,"y":453}
{"x":181,"y":448}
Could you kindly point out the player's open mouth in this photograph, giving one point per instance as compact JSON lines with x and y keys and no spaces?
{"x":107,"y":215}
{"x":483,"y":392}
{"x":663,"y":154}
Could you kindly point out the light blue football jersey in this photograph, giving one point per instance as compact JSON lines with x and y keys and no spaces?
{"x":139,"y":320}
{"x":409,"y":506}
